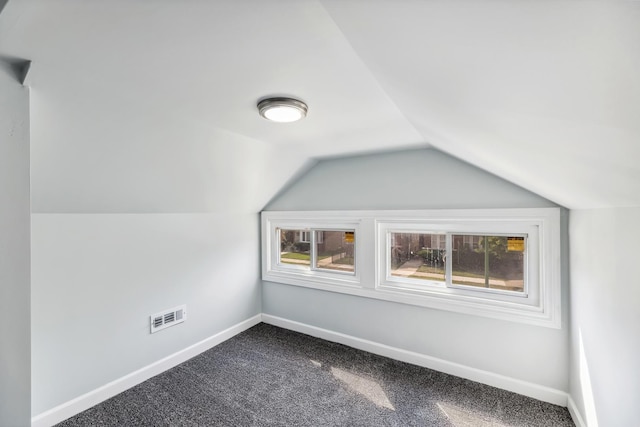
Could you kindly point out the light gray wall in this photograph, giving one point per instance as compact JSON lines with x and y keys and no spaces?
{"x":134,"y":213}
{"x":15,"y":346}
{"x":605,"y":315}
{"x":410,"y":179}
{"x":110,"y":156}
{"x":97,"y":278}
{"x":421,"y":179}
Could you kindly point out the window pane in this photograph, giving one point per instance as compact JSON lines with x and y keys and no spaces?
{"x":335,"y":250}
{"x":418,"y":256}
{"x":293,"y":247}
{"x":494,"y":262}
{"x":305,"y":236}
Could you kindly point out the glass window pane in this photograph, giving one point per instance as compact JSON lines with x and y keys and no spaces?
{"x":293,"y":247}
{"x":494,"y":262}
{"x":418,"y":255}
{"x":335,"y":250}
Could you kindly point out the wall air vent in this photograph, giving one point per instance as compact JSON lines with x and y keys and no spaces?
{"x":168,"y":318}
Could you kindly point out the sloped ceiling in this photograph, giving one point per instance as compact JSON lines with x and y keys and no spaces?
{"x":150,"y":105}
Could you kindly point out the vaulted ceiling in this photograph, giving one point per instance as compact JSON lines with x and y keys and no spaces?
{"x":138,"y":103}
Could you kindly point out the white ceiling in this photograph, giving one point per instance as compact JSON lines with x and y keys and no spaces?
{"x":545,"y":94}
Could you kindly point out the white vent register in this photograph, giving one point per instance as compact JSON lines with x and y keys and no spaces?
{"x":164,"y":319}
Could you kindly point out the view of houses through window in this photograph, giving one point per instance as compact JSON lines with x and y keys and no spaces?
{"x":418,"y":255}
{"x":494,"y":262}
{"x":331,"y":249}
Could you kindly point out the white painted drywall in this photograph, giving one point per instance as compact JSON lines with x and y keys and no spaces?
{"x":98,"y":277}
{"x":409,"y":179}
{"x":605,"y":315}
{"x":112,"y":156}
{"x":136,"y":211}
{"x":420,"y":179}
{"x":15,"y":346}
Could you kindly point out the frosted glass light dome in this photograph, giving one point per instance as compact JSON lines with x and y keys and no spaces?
{"x":282,"y":110}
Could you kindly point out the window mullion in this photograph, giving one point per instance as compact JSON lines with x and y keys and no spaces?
{"x":312,"y":249}
{"x":449,"y":259}
{"x":275,"y":246}
{"x":385,"y":254}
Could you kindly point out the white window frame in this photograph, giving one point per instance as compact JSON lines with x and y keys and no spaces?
{"x":538,"y":305}
{"x":447,"y":289}
{"x":311,"y":276}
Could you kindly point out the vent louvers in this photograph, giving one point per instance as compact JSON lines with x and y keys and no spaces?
{"x":168,"y":318}
{"x":157,"y":322}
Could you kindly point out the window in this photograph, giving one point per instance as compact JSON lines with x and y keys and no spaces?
{"x":495,"y":262}
{"x":310,"y":251}
{"x":500,"y":263}
{"x":294,"y":249}
{"x":334,"y":253}
{"x":417,"y":256}
{"x":481,"y":262}
{"x":337,"y":251}
{"x":442,"y":263}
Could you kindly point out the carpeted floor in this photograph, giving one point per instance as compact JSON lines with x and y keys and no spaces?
{"x":268,"y":376}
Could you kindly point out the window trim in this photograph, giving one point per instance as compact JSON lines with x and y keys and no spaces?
{"x":274,"y":270}
{"x":541,"y":306}
{"x":529,"y":297}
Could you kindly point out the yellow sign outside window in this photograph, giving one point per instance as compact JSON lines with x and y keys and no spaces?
{"x":515,"y":244}
{"x":348,"y":236}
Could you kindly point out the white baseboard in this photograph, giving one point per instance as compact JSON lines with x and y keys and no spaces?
{"x":536,"y":391}
{"x":575,"y":413}
{"x":92,"y":398}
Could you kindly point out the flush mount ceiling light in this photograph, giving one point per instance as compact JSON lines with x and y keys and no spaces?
{"x":282,"y":110}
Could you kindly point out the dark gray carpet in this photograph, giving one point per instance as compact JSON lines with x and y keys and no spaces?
{"x":268,"y":376}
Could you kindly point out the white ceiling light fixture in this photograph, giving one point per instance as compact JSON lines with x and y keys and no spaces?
{"x":282,"y":110}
